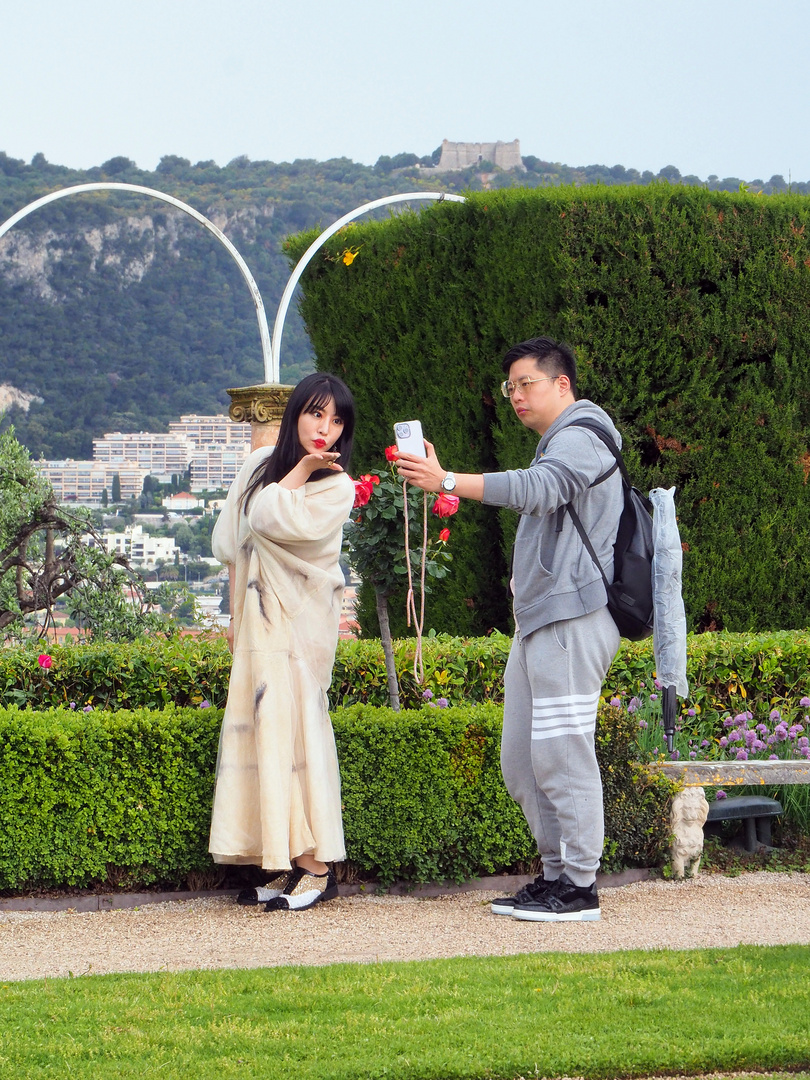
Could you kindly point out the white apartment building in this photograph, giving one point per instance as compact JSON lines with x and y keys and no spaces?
{"x":139,"y":547}
{"x":85,"y":481}
{"x":217,"y":466}
{"x":161,"y":456}
{"x":210,"y":431}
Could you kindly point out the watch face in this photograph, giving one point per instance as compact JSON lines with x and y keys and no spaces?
{"x":448,"y":483}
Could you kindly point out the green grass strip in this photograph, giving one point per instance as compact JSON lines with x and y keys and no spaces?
{"x":593,"y":1015}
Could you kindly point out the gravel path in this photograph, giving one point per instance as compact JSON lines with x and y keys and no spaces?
{"x":712,"y":910}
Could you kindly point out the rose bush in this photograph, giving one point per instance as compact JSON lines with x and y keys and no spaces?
{"x":375,"y":543}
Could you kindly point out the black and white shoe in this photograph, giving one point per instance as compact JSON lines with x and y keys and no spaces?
{"x":304,"y":890}
{"x":274,"y":887}
{"x":505,"y":905}
{"x":563,"y":901}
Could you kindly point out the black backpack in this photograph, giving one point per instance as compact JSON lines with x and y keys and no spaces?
{"x":630,"y":597}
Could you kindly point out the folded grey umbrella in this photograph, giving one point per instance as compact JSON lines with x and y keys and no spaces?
{"x":669,"y":628}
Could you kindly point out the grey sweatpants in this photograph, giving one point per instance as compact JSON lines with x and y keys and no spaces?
{"x":552,"y":685}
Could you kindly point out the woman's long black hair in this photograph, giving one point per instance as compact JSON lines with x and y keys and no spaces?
{"x":312,"y":393}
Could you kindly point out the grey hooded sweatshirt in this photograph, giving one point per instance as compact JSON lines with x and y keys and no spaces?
{"x":553,"y":575}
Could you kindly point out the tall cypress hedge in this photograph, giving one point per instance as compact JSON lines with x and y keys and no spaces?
{"x":689,"y":313}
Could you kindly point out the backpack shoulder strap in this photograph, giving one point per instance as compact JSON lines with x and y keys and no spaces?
{"x":602,"y":434}
{"x":586,"y":540}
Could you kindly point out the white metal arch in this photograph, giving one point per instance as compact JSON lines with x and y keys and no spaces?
{"x":271,"y":351}
{"x":270,"y":370}
{"x":301,"y":265}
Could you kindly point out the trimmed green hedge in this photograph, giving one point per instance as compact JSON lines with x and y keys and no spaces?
{"x":725,"y":671}
{"x":690,"y":313}
{"x":125,"y":798}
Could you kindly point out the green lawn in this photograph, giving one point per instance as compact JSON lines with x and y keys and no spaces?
{"x":544,"y":1015}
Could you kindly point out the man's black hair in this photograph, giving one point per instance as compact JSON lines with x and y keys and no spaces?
{"x":551,"y":357}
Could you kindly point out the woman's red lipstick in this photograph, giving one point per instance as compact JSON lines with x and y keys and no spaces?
{"x":320,"y":443}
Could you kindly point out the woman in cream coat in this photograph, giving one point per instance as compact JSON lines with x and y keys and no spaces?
{"x":277,"y":797}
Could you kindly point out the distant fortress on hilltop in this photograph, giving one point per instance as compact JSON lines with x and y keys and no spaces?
{"x":466,"y":155}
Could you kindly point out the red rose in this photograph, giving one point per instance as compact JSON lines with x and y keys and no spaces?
{"x":44,"y":660}
{"x":444,"y":535}
{"x":363,"y":489}
{"x":391,"y":453}
{"x":445,"y":505}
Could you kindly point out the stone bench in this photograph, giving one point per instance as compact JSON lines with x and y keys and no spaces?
{"x":755,"y":811}
{"x":690,"y":808}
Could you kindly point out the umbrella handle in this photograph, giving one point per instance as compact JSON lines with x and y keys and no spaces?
{"x":669,"y":701}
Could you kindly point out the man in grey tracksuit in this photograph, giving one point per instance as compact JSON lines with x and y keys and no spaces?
{"x":565,"y":636}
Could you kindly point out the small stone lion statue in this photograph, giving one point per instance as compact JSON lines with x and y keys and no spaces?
{"x":689,"y":812}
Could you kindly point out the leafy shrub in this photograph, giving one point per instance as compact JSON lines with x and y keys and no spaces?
{"x":125,"y":797}
{"x":690,"y":312}
{"x":727,"y":672}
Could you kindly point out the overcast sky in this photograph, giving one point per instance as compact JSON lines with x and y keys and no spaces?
{"x":710,"y":86}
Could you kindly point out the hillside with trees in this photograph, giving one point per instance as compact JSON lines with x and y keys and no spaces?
{"x":118,"y":312}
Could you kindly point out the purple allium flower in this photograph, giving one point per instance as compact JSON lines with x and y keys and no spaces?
{"x":728,"y":721}
{"x":704,"y":744}
{"x":762,"y":729}
{"x":432,"y":704}
{"x":771,"y":740}
{"x":720,"y":794}
{"x":690,"y":712}
{"x":204,"y":705}
{"x":73,"y":705}
{"x":795,"y":731}
{"x":803,"y":742}
{"x":653,"y":697}
{"x":750,"y":737}
{"x":427,"y":695}
{"x":741,"y":719}
{"x":675,"y":755}
{"x":742,"y":755}
{"x":642,"y":685}
{"x":643,"y":725}
{"x":773,"y":757}
{"x":442,"y":702}
{"x":657,"y":684}
{"x":693,"y":754}
{"x":805,"y":702}
{"x":774,"y":715}
{"x":723,"y":742}
{"x":758,"y":745}
{"x":616,"y":702}
{"x":781,"y":731}
{"x":87,"y":708}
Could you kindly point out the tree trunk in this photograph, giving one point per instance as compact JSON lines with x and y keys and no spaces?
{"x":388,"y":649}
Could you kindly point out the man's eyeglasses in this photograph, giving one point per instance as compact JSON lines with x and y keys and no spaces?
{"x":508,"y":388}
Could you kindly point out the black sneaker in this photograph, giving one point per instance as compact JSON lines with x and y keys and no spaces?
{"x":262,"y":893}
{"x":505,"y":905}
{"x":563,"y":901}
{"x":304,"y":890}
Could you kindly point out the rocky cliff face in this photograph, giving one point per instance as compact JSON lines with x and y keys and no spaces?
{"x":125,"y":248}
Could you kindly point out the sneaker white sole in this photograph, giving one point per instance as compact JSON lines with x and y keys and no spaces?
{"x":502,"y":909}
{"x":589,"y":915}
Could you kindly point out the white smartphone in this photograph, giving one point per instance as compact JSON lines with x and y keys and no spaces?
{"x":409,"y":438}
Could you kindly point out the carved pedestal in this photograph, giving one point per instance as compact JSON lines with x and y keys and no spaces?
{"x":262,"y":406}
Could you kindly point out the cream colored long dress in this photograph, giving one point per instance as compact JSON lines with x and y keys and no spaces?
{"x":277,"y":784}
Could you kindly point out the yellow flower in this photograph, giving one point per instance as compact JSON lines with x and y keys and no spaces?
{"x":349,"y":255}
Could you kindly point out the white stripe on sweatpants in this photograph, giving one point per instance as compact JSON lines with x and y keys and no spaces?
{"x":569,"y":715}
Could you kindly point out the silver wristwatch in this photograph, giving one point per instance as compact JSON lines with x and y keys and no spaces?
{"x":449,"y":482}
